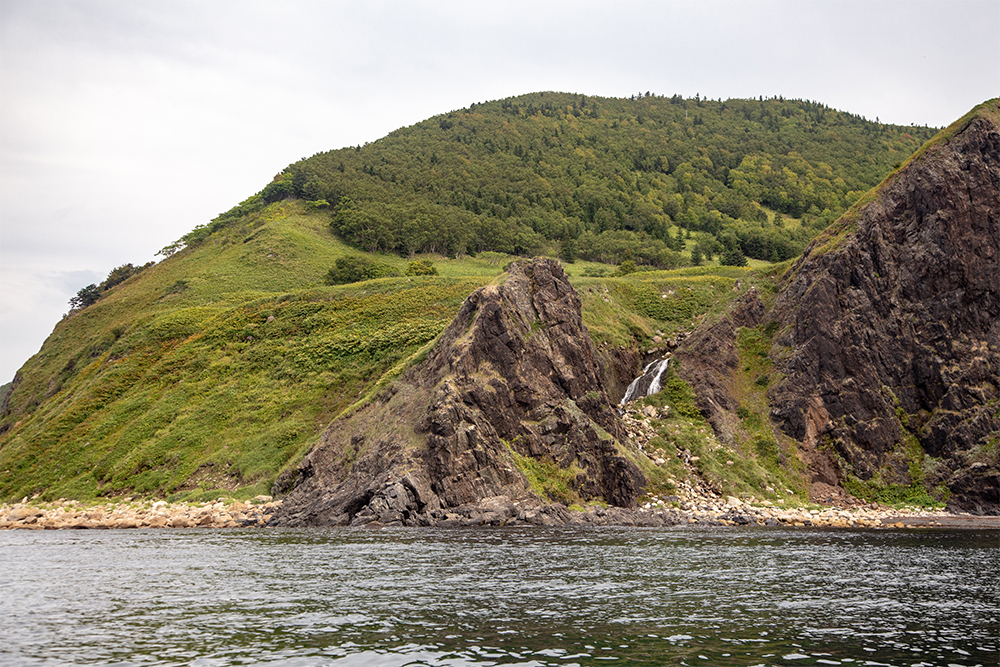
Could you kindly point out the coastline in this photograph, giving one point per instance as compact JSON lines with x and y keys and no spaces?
{"x":227,"y":513}
{"x":71,"y":514}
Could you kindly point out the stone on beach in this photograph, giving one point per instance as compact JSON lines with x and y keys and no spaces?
{"x":130,"y":515}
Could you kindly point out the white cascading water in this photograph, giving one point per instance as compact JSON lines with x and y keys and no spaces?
{"x":655,"y":385}
{"x":648,"y":383}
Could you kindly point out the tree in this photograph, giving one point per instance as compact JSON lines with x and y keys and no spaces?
{"x":87,"y":296}
{"x":355,"y":268}
{"x":677,"y":243}
{"x":314,"y":189}
{"x":733,"y":256}
{"x":493,"y":258}
{"x":696,"y":257}
{"x":118,"y":275}
{"x":567,"y":252}
{"x":281,"y":187}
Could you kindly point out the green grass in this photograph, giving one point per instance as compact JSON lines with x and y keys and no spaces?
{"x":548,"y":480}
{"x":895,"y":494}
{"x":217,"y":384}
{"x":242,"y":395}
{"x":622,"y":311}
{"x":210,"y":372}
{"x":757,"y":437}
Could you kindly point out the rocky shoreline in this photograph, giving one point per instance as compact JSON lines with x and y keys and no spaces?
{"x":498,"y":511}
{"x":71,"y":514}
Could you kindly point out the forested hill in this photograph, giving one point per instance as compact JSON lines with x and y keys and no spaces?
{"x":599,"y":178}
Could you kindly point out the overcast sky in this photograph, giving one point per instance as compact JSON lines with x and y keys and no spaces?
{"x":126,"y":123}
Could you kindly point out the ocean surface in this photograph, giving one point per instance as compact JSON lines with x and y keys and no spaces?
{"x":685,"y":596}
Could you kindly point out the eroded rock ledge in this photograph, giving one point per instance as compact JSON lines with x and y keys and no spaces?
{"x":513,"y":383}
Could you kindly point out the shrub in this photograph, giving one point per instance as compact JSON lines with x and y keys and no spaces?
{"x":355,"y":268}
{"x":626,"y":267}
{"x":422,"y":267}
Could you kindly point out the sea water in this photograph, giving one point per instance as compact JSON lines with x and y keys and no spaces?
{"x":524,"y":596}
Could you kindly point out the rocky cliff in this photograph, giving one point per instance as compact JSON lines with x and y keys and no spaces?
{"x":887,"y":331}
{"x":511,"y":388}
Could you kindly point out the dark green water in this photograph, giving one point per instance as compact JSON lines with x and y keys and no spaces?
{"x":500,"y":597}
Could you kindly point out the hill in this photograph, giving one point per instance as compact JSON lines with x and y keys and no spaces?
{"x":218,"y":367}
{"x":603,"y":179}
{"x":869,"y":364}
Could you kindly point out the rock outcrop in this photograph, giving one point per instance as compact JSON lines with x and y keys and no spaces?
{"x":709,"y":356}
{"x":511,"y":388}
{"x":888,"y":330}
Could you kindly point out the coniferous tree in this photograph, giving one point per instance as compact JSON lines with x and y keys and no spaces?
{"x":696,"y":257}
{"x":567,"y":250}
{"x":733,"y":256}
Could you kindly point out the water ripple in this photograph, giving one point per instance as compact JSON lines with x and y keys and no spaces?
{"x":499,"y":597}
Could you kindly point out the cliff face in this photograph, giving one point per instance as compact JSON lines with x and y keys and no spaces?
{"x":889,"y":330}
{"x":513,"y":382}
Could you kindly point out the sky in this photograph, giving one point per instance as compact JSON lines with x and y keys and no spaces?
{"x":126,"y":123}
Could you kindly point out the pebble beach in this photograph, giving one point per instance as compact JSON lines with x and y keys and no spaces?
{"x":729,"y":511}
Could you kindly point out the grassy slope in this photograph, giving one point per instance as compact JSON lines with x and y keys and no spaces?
{"x":179,"y":383}
{"x":177,"y":380}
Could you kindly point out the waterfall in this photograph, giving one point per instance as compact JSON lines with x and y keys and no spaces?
{"x":648,"y":383}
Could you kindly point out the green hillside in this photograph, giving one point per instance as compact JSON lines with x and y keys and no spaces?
{"x":601,"y":179}
{"x":220,"y":365}
{"x":212,"y":368}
